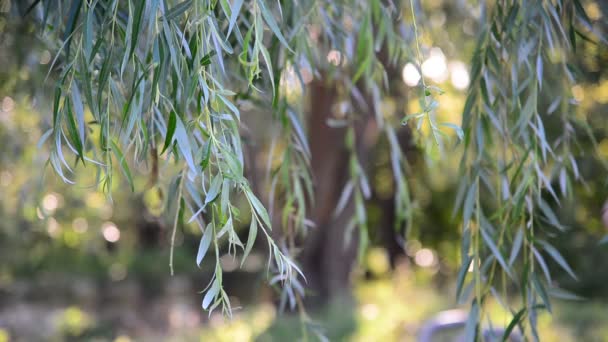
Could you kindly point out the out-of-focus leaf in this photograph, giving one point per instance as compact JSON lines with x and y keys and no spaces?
{"x":543,"y":265}
{"x":177,"y":10}
{"x":183,"y":143}
{"x":550,"y":215}
{"x":462,"y":273}
{"x":496,"y":252}
{"x":555,"y":254}
{"x":470,"y":328}
{"x":214,"y":188}
{"x":71,"y":24}
{"x":73,"y":132}
{"x":211,"y":293}
{"x":517,"y":319}
{"x":517,"y":243}
{"x":469,"y":204}
{"x":79,"y":109}
{"x":542,"y":292}
{"x":123,"y":164}
{"x":272,"y":24}
{"x":212,"y":193}
{"x":170,"y":131}
{"x":258,"y":207}
{"x":253,"y":232}
{"x":563,"y":294}
{"x":456,"y":128}
{"x":235,"y":11}
{"x":539,"y":69}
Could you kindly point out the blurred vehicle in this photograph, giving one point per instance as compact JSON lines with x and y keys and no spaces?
{"x":449,"y":326}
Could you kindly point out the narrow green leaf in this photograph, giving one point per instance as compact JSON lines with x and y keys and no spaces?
{"x":211,"y":293}
{"x":343,"y":199}
{"x":408,"y":117}
{"x":206,"y":156}
{"x":170,"y":131}
{"x":295,"y":123}
{"x":253,"y":232}
{"x":104,"y":76}
{"x":539,"y":69}
{"x":517,"y":243}
{"x":71,"y":24}
{"x":268,"y":62}
{"x":469,"y":204}
{"x":456,"y":128}
{"x":177,"y":10}
{"x":496,"y":252}
{"x":44,"y":138}
{"x":572,"y":36}
{"x":139,"y":13}
{"x":362,"y":68}
{"x":462,"y":273}
{"x":543,"y":264}
{"x":542,"y":292}
{"x":88,"y":31}
{"x":206,"y":60}
{"x":79,"y":109}
{"x":581,"y":12}
{"x":181,"y":135}
{"x":550,"y":215}
{"x":258,"y":207}
{"x":517,"y":318}
{"x":233,"y":164}
{"x":468,"y":108}
{"x":528,"y":110}
{"x":73,"y":131}
{"x":436,"y":89}
{"x":56,"y":102}
{"x":214,"y":188}
{"x":234,"y":14}
{"x":204,"y":244}
{"x":272,"y":24}
{"x":563,"y":294}
{"x":123,"y":164}
{"x":509,"y":22}
{"x":470,"y":328}
{"x":554,"y":253}
{"x":212,"y":193}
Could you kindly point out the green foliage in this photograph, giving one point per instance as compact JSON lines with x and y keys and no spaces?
{"x":510,"y":159}
{"x":132,"y":76}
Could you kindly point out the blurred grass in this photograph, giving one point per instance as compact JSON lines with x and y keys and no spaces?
{"x":387,"y":306}
{"x":393,"y":308}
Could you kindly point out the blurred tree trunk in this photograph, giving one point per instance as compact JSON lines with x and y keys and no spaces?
{"x":326,"y":258}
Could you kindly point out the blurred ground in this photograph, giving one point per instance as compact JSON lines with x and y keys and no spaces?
{"x":389,"y":307}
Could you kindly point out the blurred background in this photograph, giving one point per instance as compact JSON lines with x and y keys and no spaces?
{"x":78,"y":265}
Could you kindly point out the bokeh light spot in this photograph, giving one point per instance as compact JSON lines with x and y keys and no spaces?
{"x":110,"y":232}
{"x":425,"y":258}
{"x":410,"y":75}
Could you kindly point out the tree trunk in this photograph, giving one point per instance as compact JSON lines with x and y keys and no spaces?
{"x":326,"y":260}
